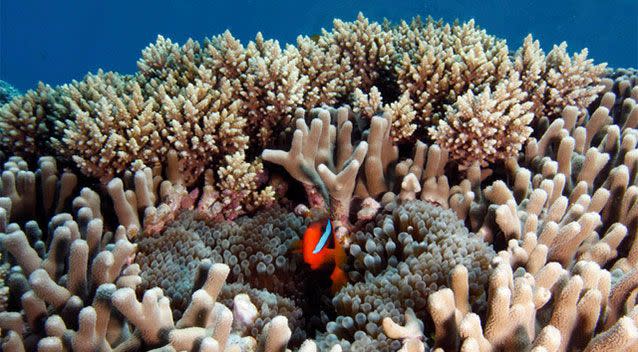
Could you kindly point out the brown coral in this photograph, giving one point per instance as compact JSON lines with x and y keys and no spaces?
{"x":23,"y":122}
{"x":557,"y":80}
{"x":486,"y":127}
{"x":439,"y":62}
{"x":367,"y":47}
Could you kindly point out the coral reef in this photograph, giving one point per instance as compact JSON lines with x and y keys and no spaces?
{"x":254,"y":248}
{"x":564,"y":267}
{"x":400,"y":259}
{"x":7,"y":92}
{"x":487,"y":127}
{"x":89,"y":302}
{"x":439,"y":62}
{"x":486,"y":197}
{"x":23,"y":121}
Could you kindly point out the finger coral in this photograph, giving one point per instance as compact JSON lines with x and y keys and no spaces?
{"x":327,"y":173}
{"x":554,"y":222}
{"x":67,"y":304}
{"x":550,"y":309}
{"x":60,"y":296}
{"x":255,"y":249}
{"x":397,"y":262}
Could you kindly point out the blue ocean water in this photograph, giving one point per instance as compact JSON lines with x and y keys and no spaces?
{"x":57,"y":41}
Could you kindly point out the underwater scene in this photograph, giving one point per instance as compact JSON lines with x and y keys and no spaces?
{"x":338,"y":176}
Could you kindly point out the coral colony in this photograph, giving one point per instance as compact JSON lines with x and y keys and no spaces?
{"x":415,"y":186}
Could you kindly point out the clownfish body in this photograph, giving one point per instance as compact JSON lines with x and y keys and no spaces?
{"x":317,"y":254}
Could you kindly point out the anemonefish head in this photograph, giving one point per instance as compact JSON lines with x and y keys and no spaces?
{"x":320,"y":249}
{"x":314,"y":247}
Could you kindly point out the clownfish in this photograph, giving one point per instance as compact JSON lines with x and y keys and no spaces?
{"x":317,"y":254}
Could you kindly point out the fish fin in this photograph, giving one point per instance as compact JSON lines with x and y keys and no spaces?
{"x":340,"y":256}
{"x":339,"y":279}
{"x":323,"y":258}
{"x":295,"y":247}
{"x":324,"y":238}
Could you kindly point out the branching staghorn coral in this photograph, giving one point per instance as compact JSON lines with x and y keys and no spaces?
{"x":486,"y":127}
{"x":265,"y":80}
{"x":329,"y":75}
{"x":199,"y":121}
{"x":272,"y":89}
{"x":401,"y":113}
{"x":368,"y":48}
{"x":557,"y":80}
{"x":108,"y":125}
{"x":167,"y":61}
{"x":23,"y":122}
{"x":439,"y":62}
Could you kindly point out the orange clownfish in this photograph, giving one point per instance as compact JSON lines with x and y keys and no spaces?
{"x":317,"y":254}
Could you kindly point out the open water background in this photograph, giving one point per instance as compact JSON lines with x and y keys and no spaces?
{"x":57,"y":41}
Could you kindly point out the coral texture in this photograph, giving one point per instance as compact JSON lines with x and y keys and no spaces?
{"x":486,"y":127}
{"x":400,"y":259}
{"x":486,"y":198}
{"x":7,"y":92}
